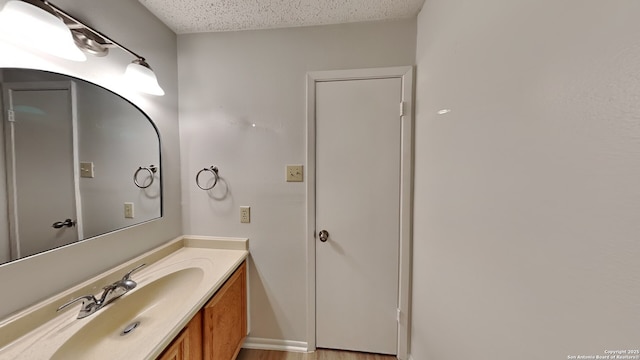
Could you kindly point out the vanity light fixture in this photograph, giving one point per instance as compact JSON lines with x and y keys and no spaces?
{"x":43,"y":25}
{"x":139,"y":74}
{"x":58,"y":40}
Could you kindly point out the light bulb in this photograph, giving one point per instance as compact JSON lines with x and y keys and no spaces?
{"x":140,"y":76}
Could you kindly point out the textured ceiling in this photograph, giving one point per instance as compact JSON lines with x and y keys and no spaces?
{"x":189,"y":16}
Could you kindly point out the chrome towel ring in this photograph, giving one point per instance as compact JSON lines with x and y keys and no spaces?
{"x":151,"y":169}
{"x":214,"y":171}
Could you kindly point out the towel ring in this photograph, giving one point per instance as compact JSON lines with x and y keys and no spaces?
{"x":152,"y":169}
{"x":214,"y":171}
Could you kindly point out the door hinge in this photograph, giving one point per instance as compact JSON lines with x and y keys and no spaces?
{"x":398,"y":316}
{"x":401,"y":108}
{"x":11,"y":115}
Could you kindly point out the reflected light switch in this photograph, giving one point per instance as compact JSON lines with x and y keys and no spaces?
{"x":86,"y":169}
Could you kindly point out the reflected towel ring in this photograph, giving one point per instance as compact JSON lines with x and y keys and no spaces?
{"x":152,"y":169}
{"x":214,"y":171}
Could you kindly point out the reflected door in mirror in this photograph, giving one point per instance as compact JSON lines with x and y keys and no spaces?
{"x":42,"y":188}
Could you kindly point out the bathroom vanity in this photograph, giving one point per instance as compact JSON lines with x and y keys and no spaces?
{"x":189,"y":303}
{"x":218,"y":330}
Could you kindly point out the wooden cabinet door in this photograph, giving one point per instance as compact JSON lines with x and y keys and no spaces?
{"x":187,"y":345}
{"x":225,"y":318}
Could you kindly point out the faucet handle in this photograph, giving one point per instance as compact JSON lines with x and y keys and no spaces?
{"x":89,"y":303}
{"x":127,"y":276}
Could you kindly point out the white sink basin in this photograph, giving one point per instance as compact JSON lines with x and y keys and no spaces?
{"x":142,"y":312}
{"x":180,"y":277}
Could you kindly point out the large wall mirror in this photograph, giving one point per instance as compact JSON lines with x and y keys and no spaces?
{"x":76,"y":160}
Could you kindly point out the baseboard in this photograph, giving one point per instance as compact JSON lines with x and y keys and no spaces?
{"x":410,"y":357}
{"x":273,"y":344}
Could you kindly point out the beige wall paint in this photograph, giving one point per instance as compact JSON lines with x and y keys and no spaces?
{"x":128,"y":22}
{"x":230,"y":81}
{"x":527,"y":195}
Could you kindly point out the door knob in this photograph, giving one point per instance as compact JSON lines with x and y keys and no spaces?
{"x":323,"y":235}
{"x":61,"y":224}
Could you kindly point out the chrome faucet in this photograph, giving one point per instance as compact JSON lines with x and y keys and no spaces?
{"x":110,"y":293}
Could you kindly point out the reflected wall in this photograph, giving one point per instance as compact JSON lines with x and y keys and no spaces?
{"x":72,"y":159}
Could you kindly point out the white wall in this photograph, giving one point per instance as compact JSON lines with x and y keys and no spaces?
{"x":229,"y":81}
{"x":131,"y":24}
{"x":527,"y":194}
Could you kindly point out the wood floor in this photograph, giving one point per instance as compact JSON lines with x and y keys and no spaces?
{"x":249,"y":354}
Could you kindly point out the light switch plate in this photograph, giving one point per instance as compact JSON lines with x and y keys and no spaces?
{"x":294,"y":173}
{"x":245,"y":214}
{"x":86,"y":169}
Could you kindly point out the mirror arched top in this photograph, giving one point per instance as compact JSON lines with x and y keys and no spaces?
{"x":69,"y":151}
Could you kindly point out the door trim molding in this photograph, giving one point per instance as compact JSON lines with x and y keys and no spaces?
{"x":405,"y":73}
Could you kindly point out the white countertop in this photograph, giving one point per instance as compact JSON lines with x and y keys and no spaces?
{"x":39,"y":331}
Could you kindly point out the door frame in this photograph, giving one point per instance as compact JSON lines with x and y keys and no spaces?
{"x":9,"y":142}
{"x":405,"y":73}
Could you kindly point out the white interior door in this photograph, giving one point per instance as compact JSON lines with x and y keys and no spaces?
{"x":358,"y":157}
{"x":40,"y":152}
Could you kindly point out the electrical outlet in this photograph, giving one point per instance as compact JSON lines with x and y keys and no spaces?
{"x":128,"y":210}
{"x":245,"y":214}
{"x":86,"y":169}
{"x":294,"y":173}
